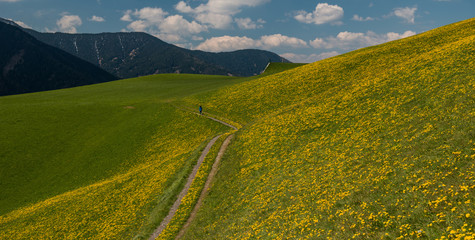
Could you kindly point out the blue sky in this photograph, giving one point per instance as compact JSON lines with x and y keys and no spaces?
{"x":300,"y":30}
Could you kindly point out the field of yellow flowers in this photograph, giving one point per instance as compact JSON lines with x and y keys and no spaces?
{"x":378,"y":143}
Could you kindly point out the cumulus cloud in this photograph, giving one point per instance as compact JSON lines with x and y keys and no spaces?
{"x":68,"y":23}
{"x":323,"y":13}
{"x":153,"y":15}
{"x":405,"y":13}
{"x":361,"y":19}
{"x":127,"y":16}
{"x":230,"y":43}
{"x":308,"y":58}
{"x":226,"y":43}
{"x":177,"y":24}
{"x":217,"y":13}
{"x":247,"y":23}
{"x":96,"y":19}
{"x":350,"y":40}
{"x":215,"y":20}
{"x":278,"y":40}
{"x":157,"y":22}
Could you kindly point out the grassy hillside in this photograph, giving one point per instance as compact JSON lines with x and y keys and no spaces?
{"x":103,"y":161}
{"x":93,"y":161}
{"x":376,"y":143}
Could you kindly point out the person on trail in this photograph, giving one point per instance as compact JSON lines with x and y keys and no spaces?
{"x":201,"y":110}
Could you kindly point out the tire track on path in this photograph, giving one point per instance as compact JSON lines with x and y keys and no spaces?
{"x":190,"y":179}
{"x":205,"y":190}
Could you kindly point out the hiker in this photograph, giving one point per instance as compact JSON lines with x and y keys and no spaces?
{"x":201,"y":110}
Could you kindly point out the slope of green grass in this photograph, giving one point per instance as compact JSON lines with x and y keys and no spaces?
{"x":93,"y":161}
{"x":274,"y":68}
{"x":377,"y":143}
{"x":99,"y":161}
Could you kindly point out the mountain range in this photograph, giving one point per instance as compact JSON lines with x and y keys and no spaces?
{"x":35,"y":61}
{"x":28,"y":65}
{"x":132,"y":54}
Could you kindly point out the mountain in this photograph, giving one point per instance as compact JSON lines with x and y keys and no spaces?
{"x":137,"y":54}
{"x":28,"y":65}
{"x":251,"y":61}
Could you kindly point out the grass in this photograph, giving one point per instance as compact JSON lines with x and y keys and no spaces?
{"x":99,"y":161}
{"x":378,"y":143}
{"x":100,"y":147}
{"x":189,"y":201}
{"x":274,"y":68}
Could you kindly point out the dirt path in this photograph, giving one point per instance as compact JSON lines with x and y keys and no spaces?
{"x":205,"y":190}
{"x":190,"y":179}
{"x":224,"y":123}
{"x":184,"y":191}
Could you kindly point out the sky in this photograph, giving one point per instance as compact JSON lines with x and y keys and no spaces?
{"x":299,"y":30}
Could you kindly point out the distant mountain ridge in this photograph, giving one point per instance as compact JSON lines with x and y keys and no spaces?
{"x":137,"y":54}
{"x":128,"y":54}
{"x":28,"y":65}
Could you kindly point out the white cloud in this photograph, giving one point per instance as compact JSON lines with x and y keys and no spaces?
{"x":138,"y":26}
{"x":177,"y":24}
{"x":350,"y":40}
{"x":324,"y":13}
{"x":231,"y":43}
{"x":10,"y":0}
{"x":226,"y":43}
{"x":305,"y":58}
{"x":217,"y":13}
{"x":247,"y":23}
{"x":405,"y":13}
{"x":157,"y":22}
{"x":184,"y":8}
{"x":20,"y":23}
{"x":127,"y":16}
{"x":361,"y":19}
{"x":215,"y":20}
{"x":153,"y":15}
{"x":96,"y":19}
{"x":278,"y":40}
{"x":68,"y":23}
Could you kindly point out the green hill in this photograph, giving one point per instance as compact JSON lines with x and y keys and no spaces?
{"x":99,"y":161}
{"x":93,"y":161}
{"x":376,"y":143}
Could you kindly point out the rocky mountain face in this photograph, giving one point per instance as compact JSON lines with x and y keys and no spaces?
{"x":137,"y":54}
{"x":28,"y":65}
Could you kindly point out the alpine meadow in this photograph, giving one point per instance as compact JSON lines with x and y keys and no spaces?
{"x":377,"y":143}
